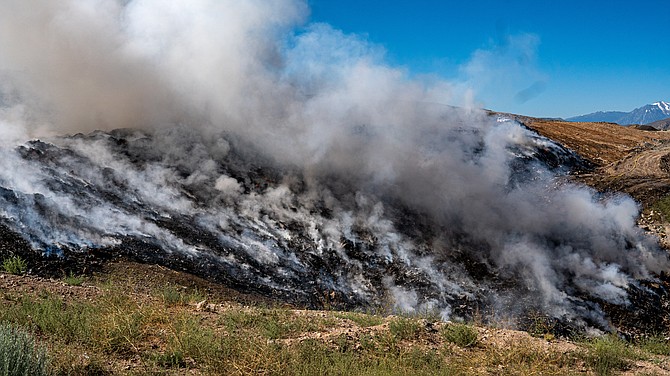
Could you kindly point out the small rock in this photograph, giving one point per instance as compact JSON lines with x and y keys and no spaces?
{"x":199,"y":306}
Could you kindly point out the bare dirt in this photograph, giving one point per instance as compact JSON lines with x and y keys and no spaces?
{"x":625,"y":159}
{"x":600,"y":143}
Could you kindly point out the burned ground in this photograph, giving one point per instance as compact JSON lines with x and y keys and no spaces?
{"x":363,"y":265}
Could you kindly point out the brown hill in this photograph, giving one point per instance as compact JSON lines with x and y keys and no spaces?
{"x":662,"y":125}
{"x":628,"y":159}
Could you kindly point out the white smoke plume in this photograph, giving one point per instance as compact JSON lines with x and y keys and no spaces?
{"x":200,"y":73}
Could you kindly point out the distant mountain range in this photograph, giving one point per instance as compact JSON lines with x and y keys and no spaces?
{"x":644,"y":115}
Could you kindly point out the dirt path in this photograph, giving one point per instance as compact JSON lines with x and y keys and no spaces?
{"x":651,"y":163}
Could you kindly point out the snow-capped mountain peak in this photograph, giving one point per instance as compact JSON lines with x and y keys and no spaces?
{"x":663,"y":106}
{"x":643,"y":115}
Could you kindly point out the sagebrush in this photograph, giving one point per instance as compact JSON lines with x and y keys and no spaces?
{"x":20,"y":354}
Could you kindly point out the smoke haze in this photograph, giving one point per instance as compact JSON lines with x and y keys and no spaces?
{"x":209,"y":84}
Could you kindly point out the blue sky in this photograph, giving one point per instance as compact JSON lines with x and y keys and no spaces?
{"x":538,"y":58}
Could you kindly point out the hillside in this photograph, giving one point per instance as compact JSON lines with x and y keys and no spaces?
{"x":435,"y":228}
{"x":227,"y":187}
{"x":197,"y":290}
{"x":663,"y":125}
{"x":627,"y":159}
{"x":131,"y":318}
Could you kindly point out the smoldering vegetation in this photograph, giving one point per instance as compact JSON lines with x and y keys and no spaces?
{"x":290,"y":160}
{"x":219,"y":208}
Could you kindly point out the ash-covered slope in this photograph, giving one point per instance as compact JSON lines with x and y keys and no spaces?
{"x":219,"y":208}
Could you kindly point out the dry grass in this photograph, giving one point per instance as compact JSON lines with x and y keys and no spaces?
{"x":170,"y":330}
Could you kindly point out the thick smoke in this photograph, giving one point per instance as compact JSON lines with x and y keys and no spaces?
{"x":354,"y":135}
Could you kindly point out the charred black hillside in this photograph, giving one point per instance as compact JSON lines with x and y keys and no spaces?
{"x":220,"y":209}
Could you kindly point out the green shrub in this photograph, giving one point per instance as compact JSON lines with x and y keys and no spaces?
{"x":170,"y":360}
{"x":19,"y":354}
{"x":73,"y":280}
{"x":656,"y":345}
{"x":15,"y":265}
{"x":608,"y":354}
{"x":191,"y":339}
{"x":51,"y":316}
{"x":180,"y":296}
{"x":403,"y":328}
{"x":662,"y":206}
{"x":462,"y":335}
